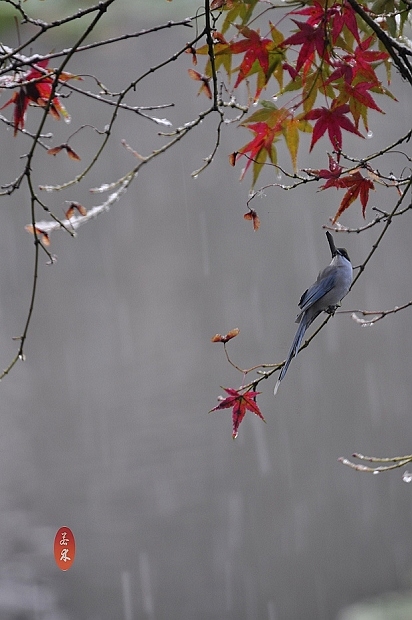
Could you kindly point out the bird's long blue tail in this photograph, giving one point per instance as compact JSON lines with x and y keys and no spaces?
{"x":303,"y":325}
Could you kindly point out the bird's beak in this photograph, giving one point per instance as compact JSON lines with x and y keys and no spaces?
{"x":331,"y":244}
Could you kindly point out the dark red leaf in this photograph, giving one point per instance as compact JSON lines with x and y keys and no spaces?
{"x":256,"y":48}
{"x":38,"y":93}
{"x":312,"y":39}
{"x":344,"y":15}
{"x":240,"y":404}
{"x":263,"y":141}
{"x":334,"y":172}
{"x":332,"y":120}
{"x":357,"y":186}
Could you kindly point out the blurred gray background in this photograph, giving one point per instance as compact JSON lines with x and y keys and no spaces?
{"x":105,"y":427}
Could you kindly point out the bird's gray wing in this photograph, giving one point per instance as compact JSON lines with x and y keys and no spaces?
{"x":324,"y":283}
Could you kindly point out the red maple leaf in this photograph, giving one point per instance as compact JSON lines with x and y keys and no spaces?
{"x":343,"y":69}
{"x":359,"y":99}
{"x":362,"y":59}
{"x":356,"y":185}
{"x":240,"y":403}
{"x":344,"y":15}
{"x":332,"y":120}
{"x":338,"y":15}
{"x":256,"y":48}
{"x":263,"y":141}
{"x":334,"y":172}
{"x":365,"y":56}
{"x":37,"y":93}
{"x":316,"y":13}
{"x":312,"y":39}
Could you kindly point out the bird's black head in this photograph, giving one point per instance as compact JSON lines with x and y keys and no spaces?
{"x":334,"y":250}
{"x":342,"y":252}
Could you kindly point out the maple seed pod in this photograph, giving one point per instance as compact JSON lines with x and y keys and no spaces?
{"x":232,"y":334}
{"x":217,"y":338}
{"x":232,"y":158}
{"x":64,"y":548}
{"x":253,"y":216}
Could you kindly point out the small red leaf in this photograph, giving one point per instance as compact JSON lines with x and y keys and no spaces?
{"x":312,"y":39}
{"x":332,"y":120}
{"x":240,"y":404}
{"x":37,"y":92}
{"x":357,"y":186}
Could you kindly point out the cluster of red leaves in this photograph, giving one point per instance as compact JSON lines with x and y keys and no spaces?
{"x":240,"y":404}
{"x":331,"y":55}
{"x":37,"y":90}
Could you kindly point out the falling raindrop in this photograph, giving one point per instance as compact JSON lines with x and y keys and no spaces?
{"x":275,"y":97}
{"x":369,"y":135}
{"x":279,"y":175}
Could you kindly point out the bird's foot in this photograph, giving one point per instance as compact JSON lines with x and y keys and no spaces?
{"x":332,"y":309}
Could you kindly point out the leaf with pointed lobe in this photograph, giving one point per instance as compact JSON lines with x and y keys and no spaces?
{"x":332,"y":120}
{"x":240,"y":404}
{"x":260,"y":148}
{"x":312,"y":40}
{"x":356,"y":185}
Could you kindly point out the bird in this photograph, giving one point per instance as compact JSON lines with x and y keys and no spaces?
{"x":325,"y":295}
